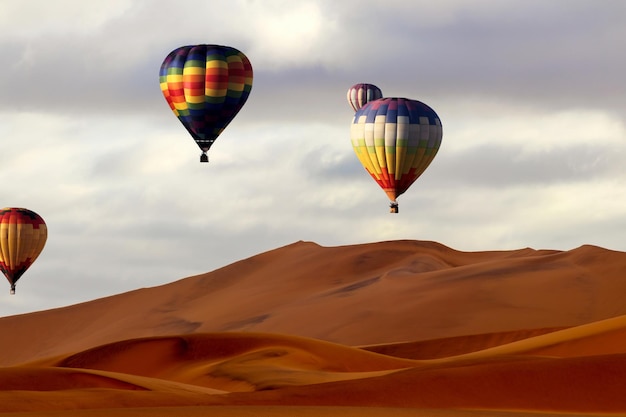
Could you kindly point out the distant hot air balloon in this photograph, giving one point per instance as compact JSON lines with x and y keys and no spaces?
{"x":23,"y":235}
{"x":360,"y":94}
{"x":395,"y":139}
{"x":206,"y":86}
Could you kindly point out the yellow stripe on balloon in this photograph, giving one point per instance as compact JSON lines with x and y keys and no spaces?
{"x":191,"y":70}
{"x":216,"y":64}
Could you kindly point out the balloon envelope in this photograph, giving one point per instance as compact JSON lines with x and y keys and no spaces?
{"x":23,"y":234}
{"x":395,"y":139}
{"x":361,"y":94}
{"x":205,"y":86}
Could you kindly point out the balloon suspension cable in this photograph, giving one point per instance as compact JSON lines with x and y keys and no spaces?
{"x":393,"y":207}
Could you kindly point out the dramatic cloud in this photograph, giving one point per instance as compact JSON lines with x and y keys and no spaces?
{"x":530,"y":94}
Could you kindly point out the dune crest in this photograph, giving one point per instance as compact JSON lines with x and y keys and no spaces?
{"x":374,"y":329}
{"x":258,"y":369}
{"x":255,"y":360}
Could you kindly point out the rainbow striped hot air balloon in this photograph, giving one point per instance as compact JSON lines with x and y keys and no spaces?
{"x":206,"y":86}
{"x":360,"y":94}
{"x":395,"y":139}
{"x":23,"y":234}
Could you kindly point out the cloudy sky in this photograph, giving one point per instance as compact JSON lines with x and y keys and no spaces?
{"x":531,"y":94}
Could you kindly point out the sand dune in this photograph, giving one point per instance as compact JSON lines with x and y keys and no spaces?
{"x":389,"y":328}
{"x":256,"y":369}
{"x":254,"y":361}
{"x":387,"y":292}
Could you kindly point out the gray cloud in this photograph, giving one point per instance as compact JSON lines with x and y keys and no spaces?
{"x":557,"y":53}
{"x":530,"y":94}
{"x":499,"y":165}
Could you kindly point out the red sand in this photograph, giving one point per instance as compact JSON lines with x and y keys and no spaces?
{"x":390,"y":328}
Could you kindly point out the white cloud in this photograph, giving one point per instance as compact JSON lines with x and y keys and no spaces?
{"x":33,"y":18}
{"x":532,"y":130}
{"x":288,"y":34}
{"x":530,"y":95}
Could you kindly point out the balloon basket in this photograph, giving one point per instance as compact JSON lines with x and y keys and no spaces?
{"x":204,"y":158}
{"x":12,"y":290}
{"x":393,"y":207}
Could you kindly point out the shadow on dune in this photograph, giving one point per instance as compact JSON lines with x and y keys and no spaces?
{"x":384,"y":326}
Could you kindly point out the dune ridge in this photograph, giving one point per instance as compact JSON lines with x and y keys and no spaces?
{"x":387,"y":328}
{"x":257,"y":369}
{"x":407,"y":290}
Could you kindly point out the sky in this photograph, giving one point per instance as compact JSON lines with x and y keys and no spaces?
{"x":531,"y":95}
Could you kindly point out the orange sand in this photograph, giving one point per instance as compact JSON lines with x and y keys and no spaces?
{"x":392,"y":328}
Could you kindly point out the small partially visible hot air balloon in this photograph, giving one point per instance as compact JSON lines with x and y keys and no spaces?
{"x":361,"y":94}
{"x":23,"y":234}
{"x":395,"y":139}
{"x":205,"y":86}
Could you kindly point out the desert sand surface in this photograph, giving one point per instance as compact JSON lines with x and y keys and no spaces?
{"x":398,"y":328}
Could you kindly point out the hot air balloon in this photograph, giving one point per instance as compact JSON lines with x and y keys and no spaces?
{"x":23,"y":234}
{"x":395,"y":139}
{"x":205,"y":86}
{"x":360,"y":94}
